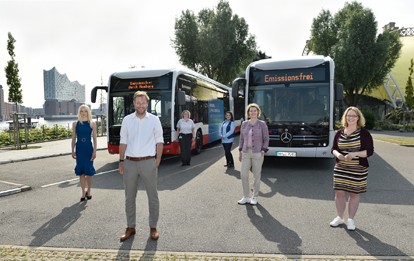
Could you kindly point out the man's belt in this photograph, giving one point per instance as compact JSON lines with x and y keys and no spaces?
{"x":139,"y":158}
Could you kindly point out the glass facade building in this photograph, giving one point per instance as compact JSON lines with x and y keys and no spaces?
{"x":58,"y":87}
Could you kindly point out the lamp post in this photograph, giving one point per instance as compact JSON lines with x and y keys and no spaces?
{"x":401,"y":104}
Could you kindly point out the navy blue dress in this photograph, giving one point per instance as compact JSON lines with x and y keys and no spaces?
{"x":84,"y":149}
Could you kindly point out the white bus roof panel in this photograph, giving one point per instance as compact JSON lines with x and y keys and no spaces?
{"x":299,"y":62}
{"x":134,"y":73}
{"x":149,"y":72}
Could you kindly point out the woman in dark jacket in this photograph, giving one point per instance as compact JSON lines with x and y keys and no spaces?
{"x":351,"y":147}
{"x":227,"y":138}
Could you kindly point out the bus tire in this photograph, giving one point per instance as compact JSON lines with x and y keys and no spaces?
{"x":199,"y":143}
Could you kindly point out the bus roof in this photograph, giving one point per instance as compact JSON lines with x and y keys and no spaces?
{"x":143,"y":72}
{"x":156,"y":72}
{"x":297,"y":62}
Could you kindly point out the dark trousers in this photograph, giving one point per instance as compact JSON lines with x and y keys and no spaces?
{"x":227,"y":152}
{"x":185,"y":147}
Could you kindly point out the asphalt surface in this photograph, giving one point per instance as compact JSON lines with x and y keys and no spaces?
{"x":32,"y":152}
{"x":62,"y":147}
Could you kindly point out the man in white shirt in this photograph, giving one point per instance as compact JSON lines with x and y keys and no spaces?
{"x":140,"y":154}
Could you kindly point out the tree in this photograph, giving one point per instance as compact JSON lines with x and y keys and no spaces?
{"x":362,"y":59}
{"x":215,"y":43}
{"x":409,"y":90}
{"x":12,"y":75}
{"x":260,"y":56}
{"x":323,"y":34}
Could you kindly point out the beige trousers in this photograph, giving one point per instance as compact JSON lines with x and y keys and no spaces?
{"x":253,"y":161}
{"x":147,"y":171}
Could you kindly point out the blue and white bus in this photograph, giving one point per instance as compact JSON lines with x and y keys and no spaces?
{"x":297,"y":98}
{"x":171,"y":91}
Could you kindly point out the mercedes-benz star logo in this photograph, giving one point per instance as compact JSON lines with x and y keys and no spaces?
{"x":286,"y":137}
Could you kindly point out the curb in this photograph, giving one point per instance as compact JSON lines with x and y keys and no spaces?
{"x":20,"y":188}
{"x":34,"y":158}
{"x":40,"y":157}
{"x":53,"y":253}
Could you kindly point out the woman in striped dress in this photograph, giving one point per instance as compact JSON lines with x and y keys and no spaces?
{"x":351,"y":147}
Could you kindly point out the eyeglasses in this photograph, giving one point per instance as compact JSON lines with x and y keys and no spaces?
{"x":352,"y":116}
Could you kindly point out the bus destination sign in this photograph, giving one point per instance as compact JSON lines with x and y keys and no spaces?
{"x":302,"y":75}
{"x":136,"y":85}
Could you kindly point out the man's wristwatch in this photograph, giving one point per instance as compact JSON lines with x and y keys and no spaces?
{"x":121,"y":160}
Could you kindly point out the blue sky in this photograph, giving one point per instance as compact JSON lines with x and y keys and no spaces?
{"x":89,"y":40}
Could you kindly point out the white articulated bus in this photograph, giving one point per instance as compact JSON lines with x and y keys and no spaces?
{"x":171,"y":91}
{"x":297,"y":98}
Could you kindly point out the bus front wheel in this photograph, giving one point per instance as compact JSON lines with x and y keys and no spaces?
{"x":199,"y":142}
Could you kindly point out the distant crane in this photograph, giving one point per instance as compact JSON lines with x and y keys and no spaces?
{"x":390,"y":85}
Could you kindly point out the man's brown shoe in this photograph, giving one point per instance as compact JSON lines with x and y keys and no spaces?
{"x":130,"y":231}
{"x":154,"y":234}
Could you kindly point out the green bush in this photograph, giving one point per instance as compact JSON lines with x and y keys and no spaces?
{"x":6,"y":139}
{"x":41,"y":134}
{"x":395,"y":116}
{"x":369,"y":119}
{"x":388,"y":125}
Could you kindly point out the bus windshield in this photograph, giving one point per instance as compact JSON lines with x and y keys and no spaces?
{"x":297,"y":101}
{"x":122,"y":105}
{"x":302,"y":103}
{"x":121,"y":96}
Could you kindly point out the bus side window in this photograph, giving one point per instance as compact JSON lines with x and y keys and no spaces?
{"x":194,"y":115}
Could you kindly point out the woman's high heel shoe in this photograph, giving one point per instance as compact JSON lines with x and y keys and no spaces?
{"x":89,"y":197}
{"x":82,"y":199}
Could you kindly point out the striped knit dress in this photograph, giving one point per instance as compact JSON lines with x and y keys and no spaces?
{"x":350,"y":176}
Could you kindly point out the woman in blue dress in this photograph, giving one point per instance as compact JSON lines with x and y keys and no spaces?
{"x":83,"y":132}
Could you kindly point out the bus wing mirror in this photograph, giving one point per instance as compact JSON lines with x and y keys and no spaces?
{"x":95,"y":89}
{"x":181,"y":98}
{"x":237,"y":84}
{"x":339,"y":92}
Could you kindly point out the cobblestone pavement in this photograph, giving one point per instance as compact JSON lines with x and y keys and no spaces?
{"x":11,"y":253}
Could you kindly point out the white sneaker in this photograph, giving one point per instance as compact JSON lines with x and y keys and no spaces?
{"x":350,"y":224}
{"x":253,"y":201}
{"x":336,"y":222}
{"x":243,"y":201}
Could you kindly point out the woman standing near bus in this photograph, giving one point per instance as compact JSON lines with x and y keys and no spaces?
{"x":227,"y":138}
{"x":352,"y":146}
{"x":253,"y":144}
{"x":185,"y":128}
{"x":83,"y":150}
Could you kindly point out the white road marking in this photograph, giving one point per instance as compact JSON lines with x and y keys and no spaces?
{"x":75,"y":179}
{"x":105,"y":172}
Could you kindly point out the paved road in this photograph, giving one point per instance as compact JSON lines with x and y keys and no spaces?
{"x":35,"y":151}
{"x":391,"y":201}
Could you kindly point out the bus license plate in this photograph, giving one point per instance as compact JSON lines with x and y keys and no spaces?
{"x":285,"y":154}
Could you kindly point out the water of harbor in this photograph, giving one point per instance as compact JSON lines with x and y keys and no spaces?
{"x":67,"y":123}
